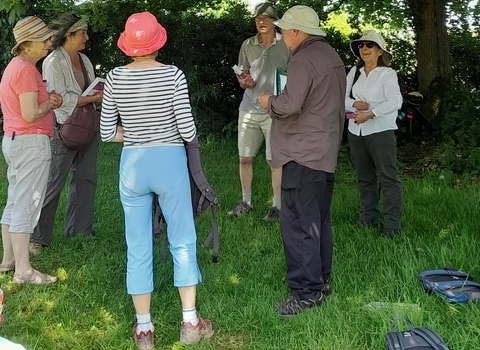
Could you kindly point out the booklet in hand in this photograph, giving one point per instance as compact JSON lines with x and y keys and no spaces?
{"x":96,"y":85}
{"x":280,"y":81}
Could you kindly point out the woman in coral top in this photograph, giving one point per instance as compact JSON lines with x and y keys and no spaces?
{"x":28,"y":126}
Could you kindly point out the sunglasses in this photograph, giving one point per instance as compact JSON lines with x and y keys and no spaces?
{"x":368,"y":44}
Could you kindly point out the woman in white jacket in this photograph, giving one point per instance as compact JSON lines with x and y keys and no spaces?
{"x":62,"y":69}
{"x":375,"y":98}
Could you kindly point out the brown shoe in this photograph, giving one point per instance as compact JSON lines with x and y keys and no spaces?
{"x":190,"y":334}
{"x":143,"y":340}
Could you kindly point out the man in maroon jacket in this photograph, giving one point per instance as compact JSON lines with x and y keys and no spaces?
{"x":307,"y":123}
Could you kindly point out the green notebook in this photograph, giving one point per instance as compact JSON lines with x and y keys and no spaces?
{"x":280,"y":80}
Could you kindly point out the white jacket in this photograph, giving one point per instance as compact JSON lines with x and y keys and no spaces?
{"x":380,"y":89}
{"x":57,"y":70}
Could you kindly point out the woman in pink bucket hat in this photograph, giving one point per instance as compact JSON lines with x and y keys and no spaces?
{"x":151,"y":99}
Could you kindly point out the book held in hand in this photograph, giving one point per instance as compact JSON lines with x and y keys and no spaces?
{"x":280,"y":81}
{"x":96,"y":85}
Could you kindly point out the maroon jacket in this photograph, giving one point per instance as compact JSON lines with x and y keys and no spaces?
{"x":308,"y":116}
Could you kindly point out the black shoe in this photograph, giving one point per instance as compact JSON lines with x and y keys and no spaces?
{"x":240,"y":208}
{"x":326,"y":291}
{"x":390,"y":232}
{"x":272,"y":215}
{"x":368,"y":224}
{"x":293,"y":305}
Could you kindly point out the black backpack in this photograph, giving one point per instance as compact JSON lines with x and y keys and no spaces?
{"x":203,"y":197}
{"x":413,"y":338}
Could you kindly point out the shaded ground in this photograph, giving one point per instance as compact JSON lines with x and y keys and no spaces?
{"x":415,"y":154}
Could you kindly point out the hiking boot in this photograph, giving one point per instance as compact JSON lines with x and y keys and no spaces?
{"x":143,"y":340}
{"x":293,"y":305}
{"x":240,"y":208}
{"x":272,"y":215}
{"x":35,"y":248}
{"x":190,"y":334}
{"x":390,"y":232}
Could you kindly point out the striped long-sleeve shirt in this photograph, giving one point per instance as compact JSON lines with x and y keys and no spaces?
{"x":152,"y":103}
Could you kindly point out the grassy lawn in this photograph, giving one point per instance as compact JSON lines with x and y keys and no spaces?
{"x":89,"y":308}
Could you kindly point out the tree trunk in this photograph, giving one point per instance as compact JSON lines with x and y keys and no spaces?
{"x":433,"y":55}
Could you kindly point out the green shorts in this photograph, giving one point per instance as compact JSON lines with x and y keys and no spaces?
{"x":253,"y":129}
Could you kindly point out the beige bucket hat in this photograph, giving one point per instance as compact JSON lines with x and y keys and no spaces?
{"x":369,"y":35}
{"x":302,"y":18}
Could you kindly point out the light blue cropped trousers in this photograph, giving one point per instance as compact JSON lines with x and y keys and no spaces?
{"x":161,"y":170}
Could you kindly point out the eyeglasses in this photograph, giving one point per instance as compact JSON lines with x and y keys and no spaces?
{"x":368,"y":44}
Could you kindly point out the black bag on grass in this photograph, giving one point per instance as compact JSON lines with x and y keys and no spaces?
{"x":413,"y":338}
{"x":203,"y":197}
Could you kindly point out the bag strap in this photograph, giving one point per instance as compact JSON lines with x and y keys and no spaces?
{"x":193,"y":157}
{"x":213,"y":234}
{"x":85,"y":74}
{"x":398,"y":318}
{"x":432,"y":338}
{"x":355,"y":78}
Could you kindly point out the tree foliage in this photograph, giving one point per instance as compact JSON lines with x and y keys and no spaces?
{"x":204,"y":37}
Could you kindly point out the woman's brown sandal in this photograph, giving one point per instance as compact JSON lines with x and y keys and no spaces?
{"x":35,"y":278}
{"x":4,"y":268}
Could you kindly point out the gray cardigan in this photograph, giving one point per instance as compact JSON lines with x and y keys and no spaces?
{"x":57,"y":70}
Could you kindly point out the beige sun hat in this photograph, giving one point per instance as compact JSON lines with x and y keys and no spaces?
{"x":302,"y":18}
{"x":369,"y":35}
{"x":30,"y":29}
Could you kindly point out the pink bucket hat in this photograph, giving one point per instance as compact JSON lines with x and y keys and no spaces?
{"x":142,"y":36}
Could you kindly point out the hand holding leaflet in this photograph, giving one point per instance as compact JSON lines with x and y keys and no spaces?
{"x":350,"y":115}
{"x":245,"y":79}
{"x":96,"y":85}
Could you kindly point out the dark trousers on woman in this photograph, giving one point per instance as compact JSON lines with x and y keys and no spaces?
{"x":372,"y":154}
{"x":306,"y":228}
{"x":82,"y":166}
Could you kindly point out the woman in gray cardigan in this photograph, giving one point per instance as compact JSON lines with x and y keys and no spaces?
{"x":62,"y":70}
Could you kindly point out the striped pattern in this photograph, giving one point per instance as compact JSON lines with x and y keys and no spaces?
{"x":31,"y":29}
{"x":153,"y":105}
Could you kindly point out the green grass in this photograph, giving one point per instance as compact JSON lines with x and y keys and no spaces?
{"x":89,"y":308}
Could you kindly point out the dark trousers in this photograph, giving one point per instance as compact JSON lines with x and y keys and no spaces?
{"x":372,"y":154}
{"x":306,"y":228}
{"x":82,"y":166}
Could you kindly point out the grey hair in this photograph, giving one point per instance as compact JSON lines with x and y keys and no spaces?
{"x":62,"y":24}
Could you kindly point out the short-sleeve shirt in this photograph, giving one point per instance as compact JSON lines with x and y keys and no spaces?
{"x":20,"y":77}
{"x":261,"y":63}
